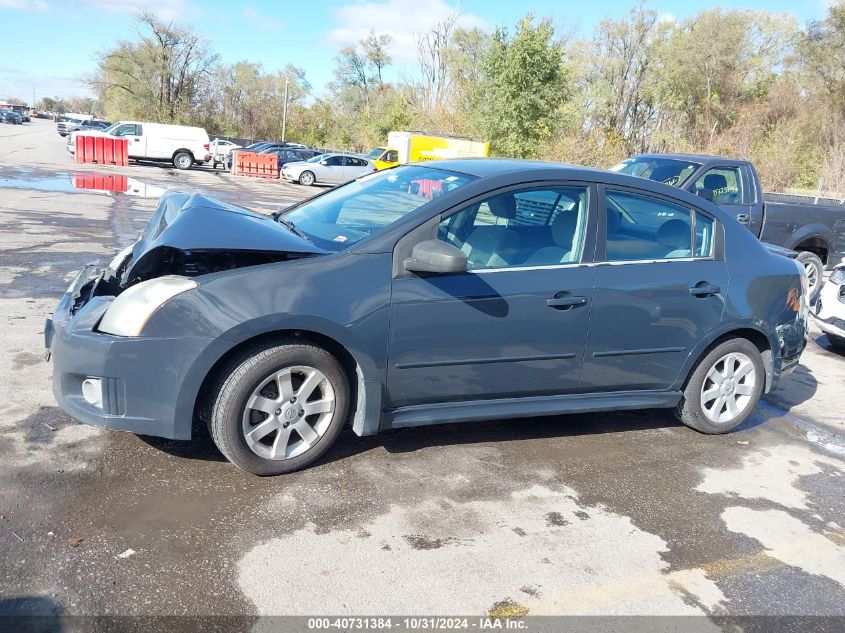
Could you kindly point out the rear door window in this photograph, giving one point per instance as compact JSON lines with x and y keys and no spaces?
{"x":643,"y":228}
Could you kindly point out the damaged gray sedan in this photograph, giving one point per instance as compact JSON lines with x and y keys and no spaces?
{"x":441,"y":292}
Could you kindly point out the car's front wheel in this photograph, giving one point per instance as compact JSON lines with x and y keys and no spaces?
{"x":724,"y":387}
{"x":278,"y":409}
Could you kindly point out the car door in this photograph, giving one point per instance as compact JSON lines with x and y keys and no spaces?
{"x":355,"y":167}
{"x":133,"y":134}
{"x":331,"y":170}
{"x":660,"y":287}
{"x":731,"y":187}
{"x":515,"y":323}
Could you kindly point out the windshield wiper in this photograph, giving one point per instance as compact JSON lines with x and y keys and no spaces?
{"x":291,"y":227}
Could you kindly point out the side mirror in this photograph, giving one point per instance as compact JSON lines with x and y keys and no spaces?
{"x":434,"y":256}
{"x":324,"y":162}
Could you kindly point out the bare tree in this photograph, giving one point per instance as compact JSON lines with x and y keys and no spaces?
{"x":432,"y":53}
{"x":376,"y":53}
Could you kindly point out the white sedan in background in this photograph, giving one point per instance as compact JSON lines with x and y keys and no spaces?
{"x":830,"y":307}
{"x":333,"y":169}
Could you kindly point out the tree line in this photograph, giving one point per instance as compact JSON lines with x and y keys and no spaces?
{"x":745,"y":83}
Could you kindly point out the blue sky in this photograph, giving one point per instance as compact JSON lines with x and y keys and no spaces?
{"x":48,"y":44}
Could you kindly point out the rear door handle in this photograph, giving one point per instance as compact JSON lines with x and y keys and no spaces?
{"x":704,"y":289}
{"x":565,"y":301}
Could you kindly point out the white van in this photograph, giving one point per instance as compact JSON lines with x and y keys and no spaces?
{"x":182,"y":145}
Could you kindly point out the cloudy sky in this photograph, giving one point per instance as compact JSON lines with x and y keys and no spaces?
{"x":49,"y":44}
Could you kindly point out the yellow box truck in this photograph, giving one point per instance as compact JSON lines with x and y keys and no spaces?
{"x":412,"y":147}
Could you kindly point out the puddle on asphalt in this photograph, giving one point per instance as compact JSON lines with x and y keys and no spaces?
{"x":84,"y":182}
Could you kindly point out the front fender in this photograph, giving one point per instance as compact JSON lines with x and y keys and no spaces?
{"x":367,"y":416}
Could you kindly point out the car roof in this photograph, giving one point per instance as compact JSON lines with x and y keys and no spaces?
{"x":485,"y":167}
{"x":693,"y":158}
{"x":510,"y":170}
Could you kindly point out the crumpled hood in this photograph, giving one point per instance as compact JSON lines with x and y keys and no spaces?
{"x":194,"y":222}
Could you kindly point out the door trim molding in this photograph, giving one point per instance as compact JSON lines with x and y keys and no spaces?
{"x":634,"y":352}
{"x":484,"y":361}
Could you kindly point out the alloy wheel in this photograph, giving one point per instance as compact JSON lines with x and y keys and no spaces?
{"x":288,"y":412}
{"x":812,"y":276}
{"x":728,"y":388}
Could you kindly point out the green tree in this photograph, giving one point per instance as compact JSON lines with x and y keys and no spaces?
{"x":718,"y":60}
{"x":157,"y":76}
{"x":523,"y":83}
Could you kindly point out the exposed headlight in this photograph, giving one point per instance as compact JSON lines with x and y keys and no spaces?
{"x":837,"y":277}
{"x":129,"y":313}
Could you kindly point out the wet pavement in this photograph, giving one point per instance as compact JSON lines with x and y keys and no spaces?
{"x":622,"y":513}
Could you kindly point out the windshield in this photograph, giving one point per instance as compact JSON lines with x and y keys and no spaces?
{"x":669,"y":171}
{"x":111,"y":128}
{"x":364,"y":207}
{"x":375,"y":152}
{"x":315,"y":159}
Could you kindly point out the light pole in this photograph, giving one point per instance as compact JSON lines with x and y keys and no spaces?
{"x":285,"y":111}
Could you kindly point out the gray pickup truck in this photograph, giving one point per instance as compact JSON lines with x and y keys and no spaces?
{"x":814,"y":227}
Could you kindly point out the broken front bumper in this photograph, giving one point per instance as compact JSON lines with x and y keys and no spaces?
{"x":124,"y":383}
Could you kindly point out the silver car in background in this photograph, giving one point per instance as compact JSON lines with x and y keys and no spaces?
{"x":330,"y":169}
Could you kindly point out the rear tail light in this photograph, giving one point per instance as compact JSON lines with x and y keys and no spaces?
{"x":206,"y":146}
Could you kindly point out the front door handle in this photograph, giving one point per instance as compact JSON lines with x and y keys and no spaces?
{"x":565,"y":301}
{"x":704,"y":289}
{"x":743,"y":218}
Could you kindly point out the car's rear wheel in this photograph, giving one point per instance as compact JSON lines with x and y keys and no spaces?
{"x":183,"y":160}
{"x":280,"y":408}
{"x":814,"y":268}
{"x":724,"y":387}
{"x":306,"y":178}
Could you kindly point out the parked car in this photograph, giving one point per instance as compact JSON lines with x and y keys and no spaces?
{"x":829,"y":310}
{"x":267,"y":147}
{"x":291,"y":155}
{"x":66,"y":124}
{"x":815,"y":227}
{"x":87,"y":125}
{"x":331,"y":169}
{"x":182,"y":145}
{"x":11,"y":117}
{"x":428,"y":293}
{"x":254,"y":147}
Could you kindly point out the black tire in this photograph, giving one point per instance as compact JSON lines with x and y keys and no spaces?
{"x":690,"y":411}
{"x":183,"y":160}
{"x":307,"y":178}
{"x":243,"y":375}
{"x":815,"y":270}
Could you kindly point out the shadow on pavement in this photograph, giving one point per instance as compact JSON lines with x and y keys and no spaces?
{"x":201,"y":447}
{"x":794,"y":389}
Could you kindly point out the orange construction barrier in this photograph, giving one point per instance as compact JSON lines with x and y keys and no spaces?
{"x":103,"y":150}
{"x":258,"y":165}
